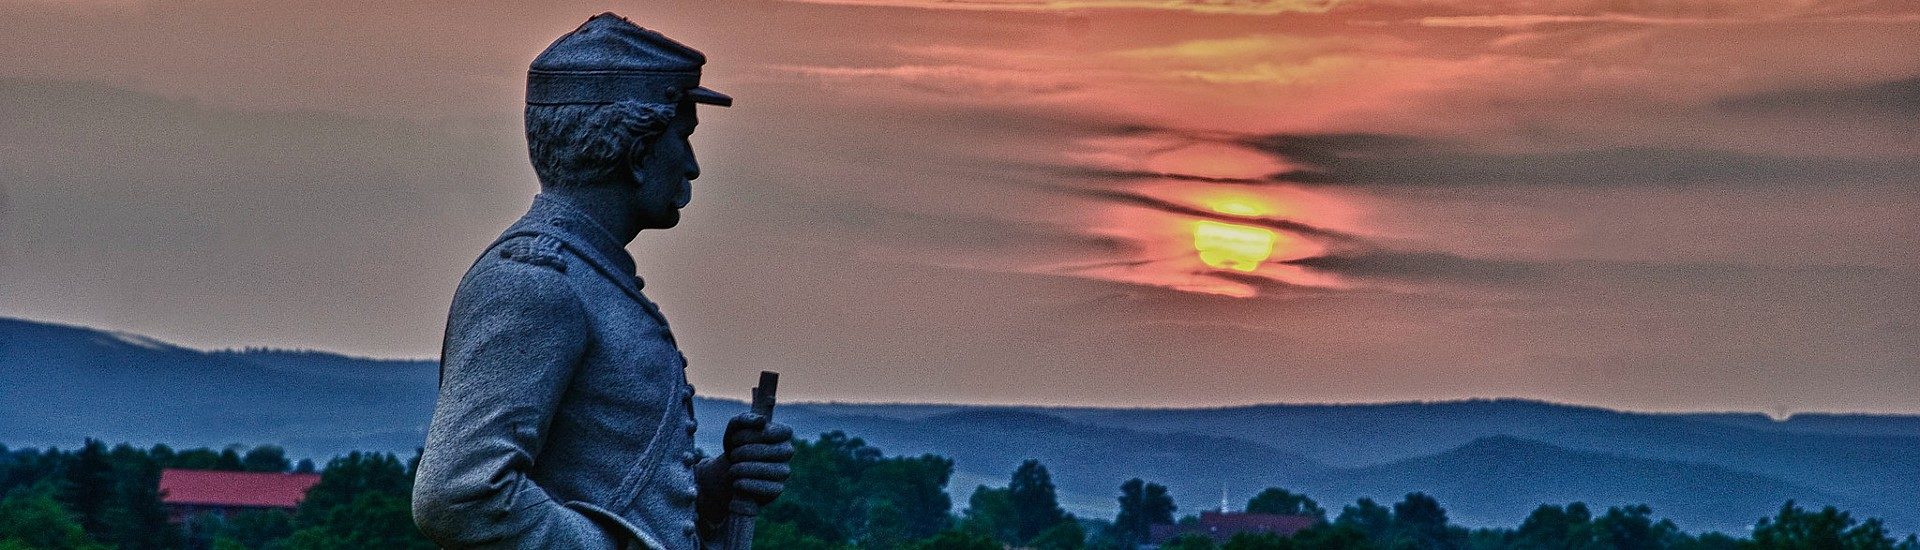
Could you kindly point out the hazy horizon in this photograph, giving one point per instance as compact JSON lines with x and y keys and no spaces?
{"x":741,"y":396}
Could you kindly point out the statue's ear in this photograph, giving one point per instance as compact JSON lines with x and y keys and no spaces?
{"x":637,"y":151}
{"x":636,"y":157}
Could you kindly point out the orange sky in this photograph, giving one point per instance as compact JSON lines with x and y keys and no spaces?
{"x":1705,"y":205}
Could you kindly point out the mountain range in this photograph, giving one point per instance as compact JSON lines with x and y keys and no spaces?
{"x":1488,"y":461}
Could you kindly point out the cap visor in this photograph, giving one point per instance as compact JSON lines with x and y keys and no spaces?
{"x":703,"y":95}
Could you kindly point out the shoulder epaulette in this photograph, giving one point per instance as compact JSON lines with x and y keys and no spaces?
{"x":540,"y":250}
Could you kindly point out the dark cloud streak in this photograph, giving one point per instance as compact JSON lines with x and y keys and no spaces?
{"x":1425,"y":267}
{"x":1170,"y":207}
{"x":1890,"y":98}
{"x":1389,"y":160}
{"x":1393,"y":160}
{"x":1128,"y":175}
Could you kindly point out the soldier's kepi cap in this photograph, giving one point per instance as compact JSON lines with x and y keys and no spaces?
{"x":609,"y":59}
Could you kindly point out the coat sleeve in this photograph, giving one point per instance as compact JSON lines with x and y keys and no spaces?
{"x":514,"y":336}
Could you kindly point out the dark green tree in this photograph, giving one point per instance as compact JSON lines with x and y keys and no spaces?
{"x":1333,"y":536}
{"x":348,"y":477}
{"x":1275,"y":500}
{"x":1036,"y":506}
{"x":1633,"y":528}
{"x":1489,"y":538}
{"x":1102,"y":535}
{"x":1368,"y":518}
{"x":951,"y":540}
{"x":886,"y":527}
{"x":134,"y":518}
{"x":990,"y":512}
{"x":1258,"y":541}
{"x":914,"y":489}
{"x":1710,"y":541}
{"x":32,"y":517}
{"x":89,"y":487}
{"x":1066,"y":535}
{"x":778,"y":535}
{"x":803,"y":520}
{"x":361,"y":501}
{"x":1142,"y":505}
{"x":1420,"y":521}
{"x":265,"y":458}
{"x":1188,"y":542}
{"x":229,"y":460}
{"x":1553,"y":527}
{"x":843,"y":491}
{"x":161,"y":454}
{"x":20,"y":468}
{"x":822,"y":497}
{"x":373,"y":519}
{"x":256,"y":528}
{"x":190,"y":459}
{"x":1795,"y":528}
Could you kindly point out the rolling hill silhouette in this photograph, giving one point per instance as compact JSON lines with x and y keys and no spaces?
{"x":1488,"y":461}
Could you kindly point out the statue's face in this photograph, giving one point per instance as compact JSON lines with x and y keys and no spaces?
{"x":667,"y":172}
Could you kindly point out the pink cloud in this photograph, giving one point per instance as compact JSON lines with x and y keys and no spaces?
{"x":1243,"y":7}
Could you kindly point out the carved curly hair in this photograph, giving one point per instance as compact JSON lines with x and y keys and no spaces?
{"x":582,"y":145}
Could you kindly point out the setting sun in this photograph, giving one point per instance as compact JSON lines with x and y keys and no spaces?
{"x":1238,"y":205}
{"x":1233,"y":246}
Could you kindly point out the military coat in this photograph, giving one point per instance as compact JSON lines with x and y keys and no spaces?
{"x":564,"y":418}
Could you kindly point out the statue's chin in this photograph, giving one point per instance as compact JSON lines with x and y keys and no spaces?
{"x":668,"y":220}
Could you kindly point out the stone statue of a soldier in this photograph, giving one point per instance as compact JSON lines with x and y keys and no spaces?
{"x":565,"y":419}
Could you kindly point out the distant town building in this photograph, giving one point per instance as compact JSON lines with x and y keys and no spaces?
{"x":192,"y":493}
{"x":1221,"y":526}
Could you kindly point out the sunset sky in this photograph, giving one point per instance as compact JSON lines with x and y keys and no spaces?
{"x":1688,"y":205}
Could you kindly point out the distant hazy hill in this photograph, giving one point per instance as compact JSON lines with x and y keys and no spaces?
{"x":1489,"y":461}
{"x":1488,"y":479}
{"x":1878,"y":451}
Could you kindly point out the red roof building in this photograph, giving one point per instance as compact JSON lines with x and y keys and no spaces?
{"x":188,"y":493}
{"x":1221,"y":526}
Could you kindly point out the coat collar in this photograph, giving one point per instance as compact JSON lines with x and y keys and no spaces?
{"x":556,"y":216}
{"x":559,"y":213}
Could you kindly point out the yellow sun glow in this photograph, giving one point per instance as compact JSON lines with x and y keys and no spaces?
{"x":1239,"y":208}
{"x":1233,"y":246}
{"x":1238,"y":204}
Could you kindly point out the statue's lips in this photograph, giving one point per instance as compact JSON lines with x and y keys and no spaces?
{"x":685,"y":195}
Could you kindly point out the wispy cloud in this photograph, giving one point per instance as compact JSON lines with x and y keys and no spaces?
{"x":1539,"y":20}
{"x":1259,"y":46}
{"x":1266,"y":73}
{"x":1534,"y":20}
{"x":965,"y":80}
{"x":1246,"y":7}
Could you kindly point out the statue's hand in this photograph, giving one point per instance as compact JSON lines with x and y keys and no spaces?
{"x":756,"y":457}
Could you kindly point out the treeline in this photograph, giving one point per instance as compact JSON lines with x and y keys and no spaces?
{"x":844,"y":495}
{"x":97,"y":497}
{"x":847,"y":495}
{"x":1420,"y":522}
